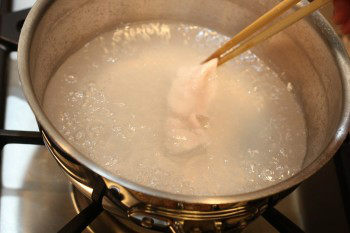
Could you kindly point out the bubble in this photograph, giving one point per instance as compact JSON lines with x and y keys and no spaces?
{"x":79,"y":135}
{"x":71,"y":79}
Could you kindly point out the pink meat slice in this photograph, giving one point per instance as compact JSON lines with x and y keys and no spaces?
{"x":188,"y":102}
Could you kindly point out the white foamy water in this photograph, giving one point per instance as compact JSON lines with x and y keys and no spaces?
{"x":109,"y":99}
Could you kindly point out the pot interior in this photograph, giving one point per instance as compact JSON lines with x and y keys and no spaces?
{"x":299,"y":54}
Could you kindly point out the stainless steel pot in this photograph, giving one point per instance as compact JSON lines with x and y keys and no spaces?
{"x":308,"y":54}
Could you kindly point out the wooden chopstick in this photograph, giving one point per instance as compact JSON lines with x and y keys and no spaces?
{"x":252,"y":28}
{"x":274,"y":29}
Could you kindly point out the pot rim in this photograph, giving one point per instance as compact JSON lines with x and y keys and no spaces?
{"x":340,"y":56}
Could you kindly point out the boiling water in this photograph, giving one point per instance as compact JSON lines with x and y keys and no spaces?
{"x":109,"y":99}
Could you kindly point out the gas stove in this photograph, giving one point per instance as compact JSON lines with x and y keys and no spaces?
{"x":37,"y":197}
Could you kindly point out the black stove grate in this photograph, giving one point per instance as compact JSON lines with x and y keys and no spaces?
{"x":10,"y":26}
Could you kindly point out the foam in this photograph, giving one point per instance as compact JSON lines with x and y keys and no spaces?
{"x":109,"y":100}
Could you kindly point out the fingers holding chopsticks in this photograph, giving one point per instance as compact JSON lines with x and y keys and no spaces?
{"x":341,"y":15}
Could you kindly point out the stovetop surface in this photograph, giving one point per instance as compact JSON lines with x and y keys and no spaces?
{"x":36,"y":196}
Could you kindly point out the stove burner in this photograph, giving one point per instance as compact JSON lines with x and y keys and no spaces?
{"x":105,"y":222}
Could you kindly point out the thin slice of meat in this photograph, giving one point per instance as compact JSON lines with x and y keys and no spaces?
{"x":188,"y":102}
